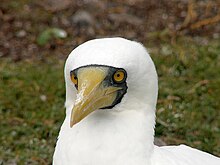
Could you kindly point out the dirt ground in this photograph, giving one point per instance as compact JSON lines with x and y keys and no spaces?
{"x":23,"y":21}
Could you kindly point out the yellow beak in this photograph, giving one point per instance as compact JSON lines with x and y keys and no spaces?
{"x":93,"y":93}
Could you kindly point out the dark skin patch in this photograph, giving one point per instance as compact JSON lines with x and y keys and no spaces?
{"x":109,"y":81}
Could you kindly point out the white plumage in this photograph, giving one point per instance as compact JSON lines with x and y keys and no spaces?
{"x":124,"y":134}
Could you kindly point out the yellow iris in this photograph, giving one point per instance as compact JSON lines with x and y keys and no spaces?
{"x":74,"y":79}
{"x":119,"y":76}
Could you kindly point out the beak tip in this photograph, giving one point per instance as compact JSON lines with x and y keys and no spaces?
{"x":72,"y":123}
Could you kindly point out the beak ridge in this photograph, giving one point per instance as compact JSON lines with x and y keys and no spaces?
{"x":92,"y":94}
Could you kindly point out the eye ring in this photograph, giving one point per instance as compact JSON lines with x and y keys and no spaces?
{"x":119,"y":76}
{"x":74,"y":78}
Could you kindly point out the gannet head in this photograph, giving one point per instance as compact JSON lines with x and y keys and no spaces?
{"x":110,"y":74}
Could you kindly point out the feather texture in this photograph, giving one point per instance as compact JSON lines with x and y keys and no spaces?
{"x":124,"y":134}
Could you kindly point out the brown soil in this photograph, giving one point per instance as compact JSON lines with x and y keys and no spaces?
{"x":22,"y":21}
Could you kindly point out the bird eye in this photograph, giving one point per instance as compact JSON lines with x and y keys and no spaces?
{"x":74,"y":78}
{"x":119,"y":76}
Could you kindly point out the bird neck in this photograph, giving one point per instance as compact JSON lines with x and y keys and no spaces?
{"x":128,"y":133}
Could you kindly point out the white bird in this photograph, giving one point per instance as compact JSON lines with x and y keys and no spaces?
{"x":111,"y":95}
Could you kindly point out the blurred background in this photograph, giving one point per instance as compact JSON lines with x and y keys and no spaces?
{"x":182,"y":36}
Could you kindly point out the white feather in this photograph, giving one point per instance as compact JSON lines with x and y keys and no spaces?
{"x":123,"y":135}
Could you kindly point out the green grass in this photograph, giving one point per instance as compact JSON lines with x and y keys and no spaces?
{"x":29,"y":123}
{"x":32,"y":96}
{"x":189,"y":88}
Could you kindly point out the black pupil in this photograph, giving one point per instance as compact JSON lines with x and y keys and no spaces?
{"x":75,"y":78}
{"x":118,"y":75}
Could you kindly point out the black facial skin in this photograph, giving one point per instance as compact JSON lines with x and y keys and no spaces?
{"x":109,"y":81}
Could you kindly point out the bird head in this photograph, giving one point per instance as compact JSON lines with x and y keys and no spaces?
{"x":110,"y":74}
